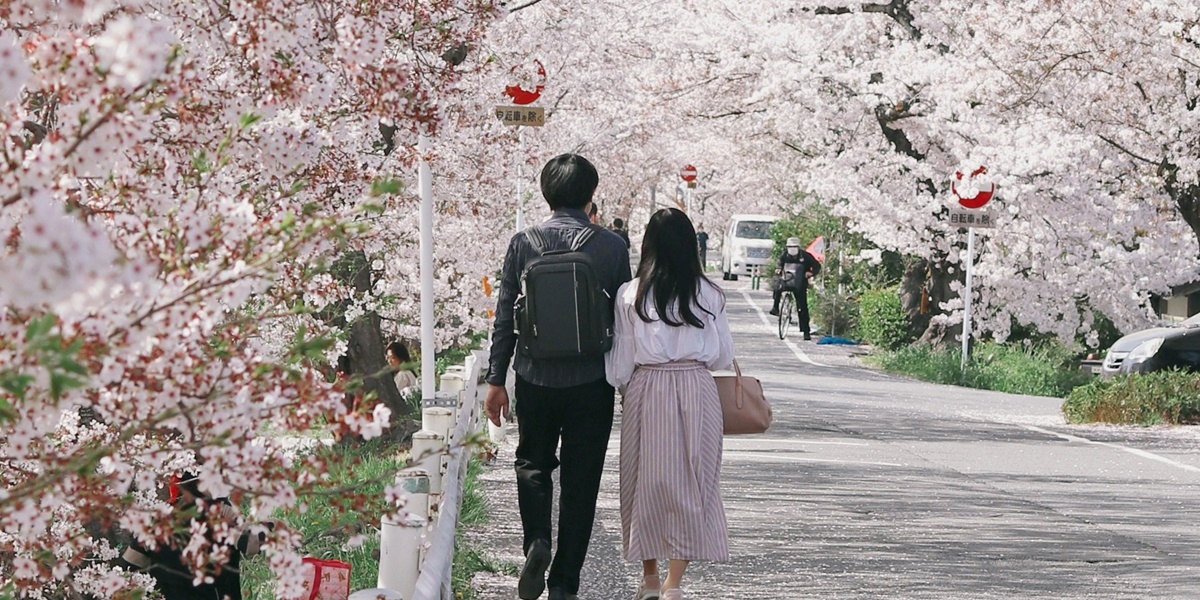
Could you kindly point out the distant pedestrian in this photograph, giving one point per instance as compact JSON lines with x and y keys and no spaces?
{"x":344,"y":376}
{"x":619,"y":229}
{"x":399,"y":360}
{"x":671,"y":329}
{"x":702,"y":242}
{"x":563,"y":400}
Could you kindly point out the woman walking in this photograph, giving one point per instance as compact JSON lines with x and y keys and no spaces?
{"x":671,"y":330}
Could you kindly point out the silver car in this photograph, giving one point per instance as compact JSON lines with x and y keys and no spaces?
{"x":1144,"y":345}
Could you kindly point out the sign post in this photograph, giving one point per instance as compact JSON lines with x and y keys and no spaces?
{"x":688,"y":174}
{"x":970,"y":194}
{"x":522,"y":114}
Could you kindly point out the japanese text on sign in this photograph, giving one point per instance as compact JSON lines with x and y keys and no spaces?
{"x":530,"y":116}
{"x":972,"y":218}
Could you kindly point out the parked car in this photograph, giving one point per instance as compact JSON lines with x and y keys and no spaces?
{"x":747,"y":245}
{"x":1156,"y":349}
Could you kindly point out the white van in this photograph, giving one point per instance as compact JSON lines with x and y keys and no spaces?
{"x":747,"y":244}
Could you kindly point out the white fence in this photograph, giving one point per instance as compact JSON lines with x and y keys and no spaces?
{"x":416,"y":556}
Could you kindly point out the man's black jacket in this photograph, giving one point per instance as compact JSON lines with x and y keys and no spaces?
{"x":806,"y":263}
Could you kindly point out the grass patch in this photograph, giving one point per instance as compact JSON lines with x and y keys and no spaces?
{"x":328,"y":523}
{"x":469,"y":560}
{"x":921,"y":362}
{"x":1165,"y":397}
{"x":1048,"y":370}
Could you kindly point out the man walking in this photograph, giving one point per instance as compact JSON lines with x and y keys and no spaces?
{"x":619,"y":229}
{"x":702,"y":243}
{"x":563,"y":399}
{"x":796,"y":266}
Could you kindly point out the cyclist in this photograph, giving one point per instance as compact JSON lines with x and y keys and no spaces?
{"x":793,"y":261}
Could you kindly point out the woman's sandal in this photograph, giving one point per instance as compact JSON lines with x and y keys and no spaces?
{"x":646,"y":592}
{"x":672,"y":594}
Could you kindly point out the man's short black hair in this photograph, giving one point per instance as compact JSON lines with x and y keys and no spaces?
{"x":618,"y":223}
{"x":569,"y":181}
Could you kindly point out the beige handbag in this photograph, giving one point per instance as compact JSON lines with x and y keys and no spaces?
{"x":743,"y":404}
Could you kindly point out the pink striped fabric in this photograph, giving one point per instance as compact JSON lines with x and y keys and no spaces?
{"x":671,"y":436}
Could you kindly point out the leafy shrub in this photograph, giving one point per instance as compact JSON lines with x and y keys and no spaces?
{"x":882,"y":320}
{"x":833,"y":313}
{"x":1149,"y":399}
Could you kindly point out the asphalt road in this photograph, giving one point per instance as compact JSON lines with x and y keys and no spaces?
{"x":875,"y":486}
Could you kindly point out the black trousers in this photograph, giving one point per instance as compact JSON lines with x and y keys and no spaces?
{"x":801,"y":305}
{"x":581,"y":417}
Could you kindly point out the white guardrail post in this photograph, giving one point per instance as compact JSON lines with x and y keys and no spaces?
{"x":416,"y":554}
{"x":434,"y":582}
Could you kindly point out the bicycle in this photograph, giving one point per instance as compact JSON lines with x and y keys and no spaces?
{"x":787,"y":312}
{"x":787,"y":304}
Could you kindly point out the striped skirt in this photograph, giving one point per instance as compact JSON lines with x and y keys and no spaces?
{"x":671,"y":435}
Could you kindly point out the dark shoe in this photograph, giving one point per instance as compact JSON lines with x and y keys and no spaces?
{"x":807,"y":336}
{"x":533,"y":576}
{"x":561,"y":594}
{"x":775,"y":312}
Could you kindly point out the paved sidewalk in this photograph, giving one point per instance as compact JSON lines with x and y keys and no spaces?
{"x":606,"y":575}
{"x":871,"y":486}
{"x":500,"y":538}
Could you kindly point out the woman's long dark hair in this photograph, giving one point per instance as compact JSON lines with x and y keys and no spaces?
{"x":671,"y":268}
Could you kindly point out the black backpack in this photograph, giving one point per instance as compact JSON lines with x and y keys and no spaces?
{"x":563,"y":311}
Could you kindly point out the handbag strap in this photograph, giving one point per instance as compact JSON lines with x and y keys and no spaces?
{"x":737,"y":384}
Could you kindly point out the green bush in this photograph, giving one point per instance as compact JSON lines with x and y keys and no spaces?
{"x":833,"y":313}
{"x":882,"y":321}
{"x":1165,"y":397}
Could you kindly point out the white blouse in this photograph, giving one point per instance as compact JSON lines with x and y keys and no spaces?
{"x":636,"y":342}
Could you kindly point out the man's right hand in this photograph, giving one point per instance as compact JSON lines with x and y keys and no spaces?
{"x":496,"y":404}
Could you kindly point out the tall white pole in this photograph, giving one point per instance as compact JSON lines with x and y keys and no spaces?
{"x":966,"y":335}
{"x":425,"y":187}
{"x":520,"y":179}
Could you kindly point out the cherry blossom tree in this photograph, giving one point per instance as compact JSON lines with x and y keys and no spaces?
{"x":869,"y":107}
{"x":178,"y":179}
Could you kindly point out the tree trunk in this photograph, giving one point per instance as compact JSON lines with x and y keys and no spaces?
{"x":367,"y":348}
{"x":924,"y":287}
{"x":1187,"y":200}
{"x":368,"y":353}
{"x":1186,"y":196}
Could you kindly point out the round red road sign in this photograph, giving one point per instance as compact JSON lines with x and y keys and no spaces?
{"x":968,"y":187}
{"x":524,"y":96}
{"x":688,"y":173}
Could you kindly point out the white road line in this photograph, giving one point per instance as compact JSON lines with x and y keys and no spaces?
{"x":1134,"y":451}
{"x":763,"y":457}
{"x":773,"y":328}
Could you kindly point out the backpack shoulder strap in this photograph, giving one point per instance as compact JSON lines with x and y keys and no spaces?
{"x":582,"y":237}
{"x":534,"y":235}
